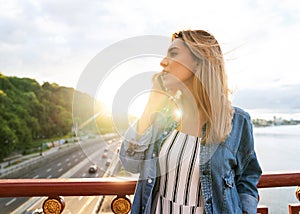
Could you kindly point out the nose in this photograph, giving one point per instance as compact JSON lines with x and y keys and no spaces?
{"x":164,"y":62}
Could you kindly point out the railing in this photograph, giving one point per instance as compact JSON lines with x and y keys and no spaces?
{"x":54,"y":188}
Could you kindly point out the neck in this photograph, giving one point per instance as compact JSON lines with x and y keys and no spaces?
{"x":192,"y":118}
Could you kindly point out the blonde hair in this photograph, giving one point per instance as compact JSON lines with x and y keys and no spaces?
{"x":210,"y":84}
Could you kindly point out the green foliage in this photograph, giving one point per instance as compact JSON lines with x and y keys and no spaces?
{"x":8,"y":139}
{"x":30,"y":112}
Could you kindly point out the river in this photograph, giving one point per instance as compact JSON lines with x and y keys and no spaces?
{"x":278,"y":149}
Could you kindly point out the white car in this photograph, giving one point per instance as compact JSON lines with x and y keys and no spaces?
{"x":93,"y":168}
{"x":104,"y":155}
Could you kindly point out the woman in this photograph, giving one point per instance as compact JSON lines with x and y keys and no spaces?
{"x":204,"y":160}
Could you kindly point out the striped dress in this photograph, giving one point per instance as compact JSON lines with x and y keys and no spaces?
{"x":180,"y":187}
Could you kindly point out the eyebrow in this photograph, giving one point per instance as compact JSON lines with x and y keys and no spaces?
{"x":172,"y":48}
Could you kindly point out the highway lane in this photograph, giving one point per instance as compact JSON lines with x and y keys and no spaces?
{"x":110,"y":150}
{"x":51,"y":168}
{"x":58,"y":163}
{"x":86,"y":204}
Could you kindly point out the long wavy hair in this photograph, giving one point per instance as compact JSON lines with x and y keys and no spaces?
{"x":210,"y":86}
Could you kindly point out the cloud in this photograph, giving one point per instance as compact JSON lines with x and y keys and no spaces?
{"x":281,"y":99}
{"x":54,"y":40}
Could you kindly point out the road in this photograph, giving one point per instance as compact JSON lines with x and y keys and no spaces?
{"x":58,"y":164}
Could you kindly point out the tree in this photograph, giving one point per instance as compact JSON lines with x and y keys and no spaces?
{"x":29,"y":111}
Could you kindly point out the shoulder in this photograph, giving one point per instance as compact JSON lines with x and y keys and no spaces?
{"x":242,"y":129}
{"x":241,"y":118}
{"x":239,"y":113}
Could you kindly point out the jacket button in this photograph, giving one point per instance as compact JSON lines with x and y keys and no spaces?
{"x":205,"y":172}
{"x":149,"y":180}
{"x":208,"y":201}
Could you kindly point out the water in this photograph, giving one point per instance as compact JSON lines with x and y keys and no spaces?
{"x":278,"y":149}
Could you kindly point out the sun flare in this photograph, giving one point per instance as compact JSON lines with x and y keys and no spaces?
{"x":122,"y":80}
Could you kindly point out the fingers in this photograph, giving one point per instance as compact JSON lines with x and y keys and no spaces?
{"x":157,"y":80}
{"x":167,"y":82}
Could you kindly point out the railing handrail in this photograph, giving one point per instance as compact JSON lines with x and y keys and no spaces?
{"x":107,"y":186}
{"x":66,"y":187}
{"x":279,"y":180}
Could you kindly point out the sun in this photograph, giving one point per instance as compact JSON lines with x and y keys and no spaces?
{"x":130,"y":81}
{"x":138,"y":104}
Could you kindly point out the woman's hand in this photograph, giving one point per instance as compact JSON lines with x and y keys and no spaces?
{"x":161,"y":96}
{"x":167,"y":82}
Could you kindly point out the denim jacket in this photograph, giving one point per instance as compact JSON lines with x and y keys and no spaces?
{"x":229,"y":171}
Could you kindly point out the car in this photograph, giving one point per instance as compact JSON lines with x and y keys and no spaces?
{"x":104,"y":155}
{"x":93,"y":168}
{"x":108,"y":162}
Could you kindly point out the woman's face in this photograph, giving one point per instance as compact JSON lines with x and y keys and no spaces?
{"x":179,"y":61}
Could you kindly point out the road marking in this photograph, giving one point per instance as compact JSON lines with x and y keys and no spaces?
{"x":10,"y":202}
{"x":81,"y":197}
{"x":60,"y":169}
{"x":36,"y":176}
{"x":59,"y":164}
{"x":87,"y":203}
{"x":71,"y":172}
{"x":49,"y":176}
{"x":48,"y":170}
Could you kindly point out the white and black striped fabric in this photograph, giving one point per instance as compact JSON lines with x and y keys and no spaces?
{"x":180,"y":187}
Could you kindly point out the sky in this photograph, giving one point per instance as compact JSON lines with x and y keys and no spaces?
{"x":53,"y":41}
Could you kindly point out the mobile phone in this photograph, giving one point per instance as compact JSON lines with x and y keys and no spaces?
{"x":161,"y":84}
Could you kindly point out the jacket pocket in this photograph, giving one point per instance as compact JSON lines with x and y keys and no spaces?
{"x":231,"y":201}
{"x":229,"y":180}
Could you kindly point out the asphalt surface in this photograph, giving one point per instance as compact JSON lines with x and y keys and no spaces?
{"x":57,"y":164}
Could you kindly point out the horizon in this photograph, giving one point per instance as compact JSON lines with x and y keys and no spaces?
{"x":265,"y":114}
